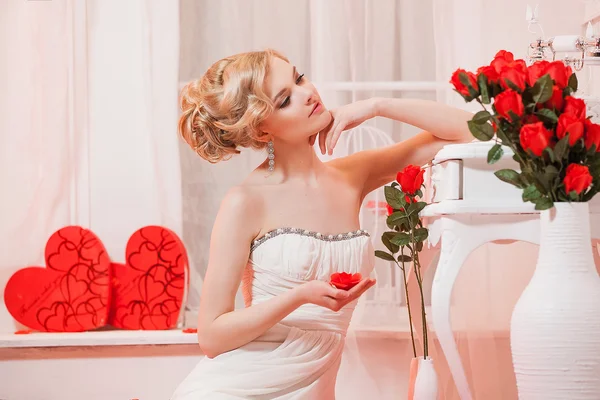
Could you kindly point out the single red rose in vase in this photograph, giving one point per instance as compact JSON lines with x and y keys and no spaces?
{"x":535,"y":137}
{"x":344,"y":280}
{"x":410,"y":179}
{"x":592,"y":135}
{"x":569,"y":123}
{"x":509,"y":100}
{"x":459,"y":86}
{"x":577,"y":178}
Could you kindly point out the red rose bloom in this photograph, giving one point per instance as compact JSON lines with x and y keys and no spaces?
{"x":592,"y":135}
{"x":536,"y":71}
{"x":410,"y":179}
{"x":459,"y":86}
{"x":516,"y":73}
{"x":560,"y":73}
{"x":509,"y":100}
{"x":535,"y":137}
{"x":575,"y":107}
{"x":502,"y":59}
{"x":489,"y":72}
{"x":344,"y":280}
{"x":556,"y":101}
{"x":530,"y":119}
{"x":577,"y":178}
{"x":568,"y":123}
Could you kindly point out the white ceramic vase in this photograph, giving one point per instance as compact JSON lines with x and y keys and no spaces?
{"x":426,"y":383}
{"x":555,"y":325}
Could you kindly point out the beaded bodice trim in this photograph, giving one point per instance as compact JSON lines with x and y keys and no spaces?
{"x":296,"y":231}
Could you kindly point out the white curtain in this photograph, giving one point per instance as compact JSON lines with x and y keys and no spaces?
{"x":88,"y":114}
{"x":337,"y":40}
{"x":334,"y":40}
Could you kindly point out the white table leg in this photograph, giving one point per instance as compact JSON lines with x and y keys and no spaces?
{"x":454,"y":252}
{"x":460,"y":235}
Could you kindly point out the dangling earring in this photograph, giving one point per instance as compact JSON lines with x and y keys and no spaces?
{"x":271,"y":156}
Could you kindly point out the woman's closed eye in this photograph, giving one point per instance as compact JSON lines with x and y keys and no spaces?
{"x":286,"y":101}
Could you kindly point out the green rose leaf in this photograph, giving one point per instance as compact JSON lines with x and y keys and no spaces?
{"x":542,"y":90}
{"x":384,"y":256}
{"x":386,"y":239}
{"x":394,"y":197}
{"x":547,"y":115}
{"x":543,"y":203}
{"x":483,"y":88}
{"x":482,"y":117}
{"x":495,"y":154}
{"x":404,"y":258}
{"x":509,"y":176}
{"x":401,"y":239}
{"x":421,"y":234}
{"x":483,"y":132}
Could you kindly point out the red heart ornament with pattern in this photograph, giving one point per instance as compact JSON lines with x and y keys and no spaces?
{"x":70,"y":294}
{"x":150,"y":289}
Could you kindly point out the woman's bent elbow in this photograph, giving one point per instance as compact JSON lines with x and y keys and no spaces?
{"x":207,"y":346}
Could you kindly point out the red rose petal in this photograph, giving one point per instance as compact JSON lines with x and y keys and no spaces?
{"x":344,"y":280}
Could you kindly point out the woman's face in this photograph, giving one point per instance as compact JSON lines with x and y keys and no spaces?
{"x":298,"y":111}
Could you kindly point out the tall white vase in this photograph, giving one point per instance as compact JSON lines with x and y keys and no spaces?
{"x":426,"y":383}
{"x":555,"y":326}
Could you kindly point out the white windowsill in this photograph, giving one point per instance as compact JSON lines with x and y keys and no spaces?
{"x":97,"y":338}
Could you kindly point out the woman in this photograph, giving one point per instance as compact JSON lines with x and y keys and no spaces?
{"x":290,"y":224}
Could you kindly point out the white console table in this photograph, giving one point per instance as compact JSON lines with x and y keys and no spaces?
{"x":470,"y":207}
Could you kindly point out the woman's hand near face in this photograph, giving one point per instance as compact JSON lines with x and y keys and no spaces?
{"x":344,"y":118}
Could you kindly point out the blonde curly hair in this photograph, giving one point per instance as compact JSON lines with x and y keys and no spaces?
{"x":223,"y":110}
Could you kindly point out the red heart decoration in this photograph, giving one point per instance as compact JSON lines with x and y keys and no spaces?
{"x":71,"y":294}
{"x":150,"y":289}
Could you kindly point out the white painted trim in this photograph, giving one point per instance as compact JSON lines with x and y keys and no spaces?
{"x":97,"y":338}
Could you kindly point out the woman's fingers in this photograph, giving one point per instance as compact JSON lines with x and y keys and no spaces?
{"x":362,"y":287}
{"x":322,"y":138}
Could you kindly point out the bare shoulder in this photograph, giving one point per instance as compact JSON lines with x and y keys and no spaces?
{"x":240,"y":212}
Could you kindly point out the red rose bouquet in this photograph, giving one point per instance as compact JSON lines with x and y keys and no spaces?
{"x":535,"y":115}
{"x":407,"y":235}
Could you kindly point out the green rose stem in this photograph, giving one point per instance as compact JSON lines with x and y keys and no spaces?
{"x":412,"y":335}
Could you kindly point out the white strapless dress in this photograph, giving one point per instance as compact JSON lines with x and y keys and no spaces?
{"x":299,"y":357}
